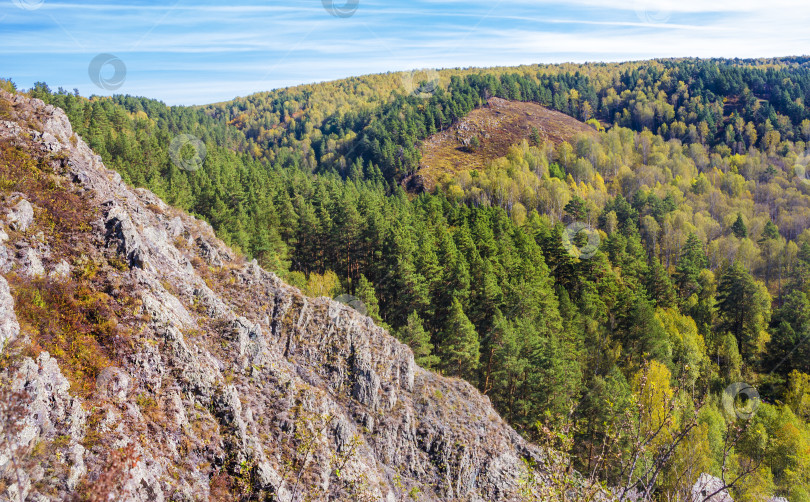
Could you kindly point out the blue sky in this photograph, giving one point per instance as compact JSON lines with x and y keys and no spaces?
{"x":196,"y":52}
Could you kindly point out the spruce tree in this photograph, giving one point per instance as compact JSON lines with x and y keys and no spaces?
{"x":739,"y":229}
{"x":770,"y":232}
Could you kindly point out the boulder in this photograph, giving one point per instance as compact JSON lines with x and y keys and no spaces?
{"x":21,"y":216}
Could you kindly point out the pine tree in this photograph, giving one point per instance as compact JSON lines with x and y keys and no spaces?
{"x":804,"y":252}
{"x":307,"y":256}
{"x":576,"y":208}
{"x":505,"y":362}
{"x":659,"y":286}
{"x":771,"y":248}
{"x":607,"y":396}
{"x":460,"y":347}
{"x":269,"y":249}
{"x":486,"y":295}
{"x":427,"y":262}
{"x":418,"y":339}
{"x":559,"y":260}
{"x":555,"y":375}
{"x":704,"y":309}
{"x":744,"y":306}
{"x":454,"y":283}
{"x":535,"y":137}
{"x":691,"y":262}
{"x":345,"y":236}
{"x":641,"y":333}
{"x":791,"y":323}
{"x":366,"y":294}
{"x":626,"y":215}
{"x":287,"y":217}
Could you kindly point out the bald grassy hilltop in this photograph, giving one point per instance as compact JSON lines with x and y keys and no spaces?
{"x":486,"y":134}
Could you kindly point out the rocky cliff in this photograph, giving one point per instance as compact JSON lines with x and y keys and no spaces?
{"x":144,"y":360}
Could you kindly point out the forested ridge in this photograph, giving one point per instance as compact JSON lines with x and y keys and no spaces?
{"x":695,"y":190}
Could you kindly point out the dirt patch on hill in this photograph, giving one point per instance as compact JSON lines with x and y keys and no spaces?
{"x":496,"y":126}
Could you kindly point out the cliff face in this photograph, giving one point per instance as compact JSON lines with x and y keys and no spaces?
{"x":144,"y":360}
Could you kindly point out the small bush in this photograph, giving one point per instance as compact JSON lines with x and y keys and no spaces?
{"x":8,"y":85}
{"x":75,"y":323}
{"x":5,"y":109}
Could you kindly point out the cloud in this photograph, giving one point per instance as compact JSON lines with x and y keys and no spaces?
{"x":196,"y":51}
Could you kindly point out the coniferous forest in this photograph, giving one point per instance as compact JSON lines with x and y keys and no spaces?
{"x":622,"y":297}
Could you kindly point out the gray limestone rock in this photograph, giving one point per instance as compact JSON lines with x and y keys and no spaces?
{"x":61,"y":271}
{"x":113,"y":383}
{"x":31,"y":262}
{"x":709,"y":488}
{"x":21,"y":216}
{"x":9,"y":327}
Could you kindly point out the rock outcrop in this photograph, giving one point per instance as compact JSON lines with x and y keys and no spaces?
{"x":204,"y":376}
{"x":21,"y":216}
{"x":710,"y":489}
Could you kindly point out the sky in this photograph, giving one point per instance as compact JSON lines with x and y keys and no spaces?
{"x":187,"y":52}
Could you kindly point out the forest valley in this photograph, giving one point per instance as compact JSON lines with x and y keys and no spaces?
{"x":692,"y":189}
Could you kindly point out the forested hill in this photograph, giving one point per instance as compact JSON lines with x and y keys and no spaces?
{"x":327,"y":123}
{"x":695,"y":200}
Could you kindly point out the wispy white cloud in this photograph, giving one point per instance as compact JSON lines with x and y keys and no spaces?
{"x":663,"y":5}
{"x":196,"y":52}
